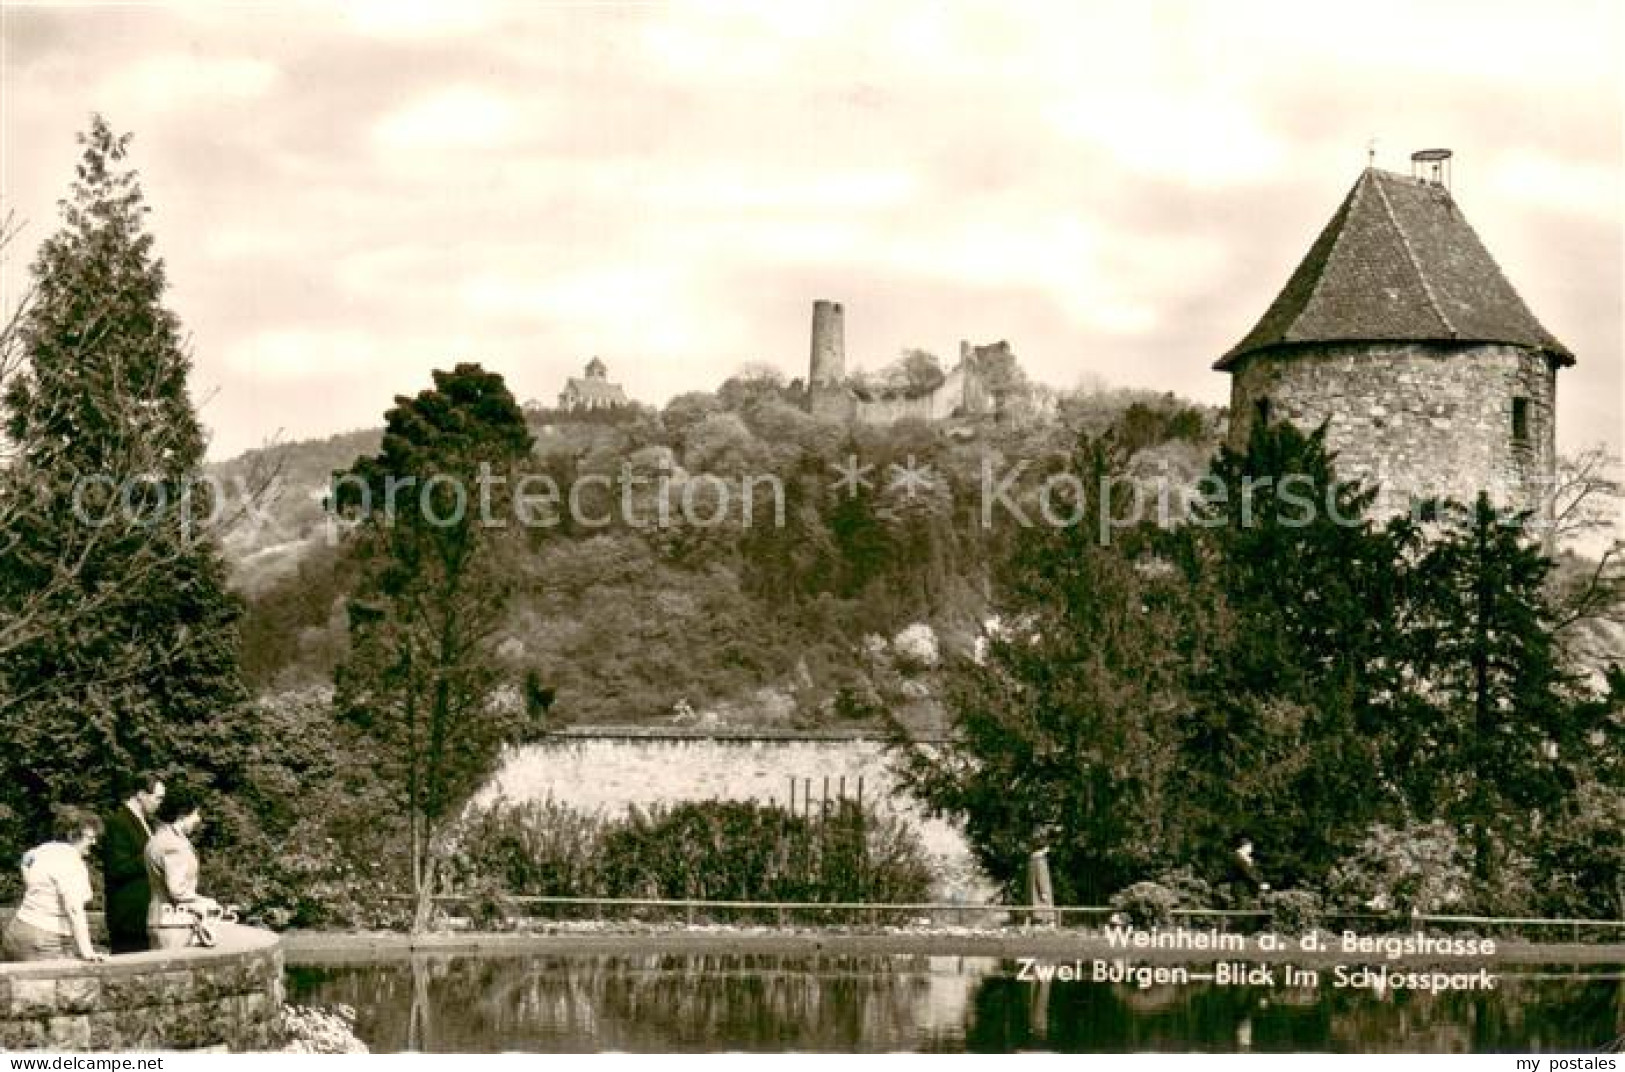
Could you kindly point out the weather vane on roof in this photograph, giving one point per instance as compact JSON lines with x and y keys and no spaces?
{"x":1371,"y":152}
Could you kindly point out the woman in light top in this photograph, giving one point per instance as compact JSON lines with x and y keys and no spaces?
{"x":50,"y":923}
{"x":172,"y":871}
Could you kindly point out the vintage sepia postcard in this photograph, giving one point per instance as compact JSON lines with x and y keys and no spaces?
{"x":859,"y":527}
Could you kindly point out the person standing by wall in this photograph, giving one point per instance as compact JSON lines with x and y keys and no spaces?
{"x":124,"y":864}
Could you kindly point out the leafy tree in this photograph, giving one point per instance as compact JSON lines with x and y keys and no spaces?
{"x":752,"y":385}
{"x":722,"y":444}
{"x":117,"y":631}
{"x":1281,"y":736}
{"x":294,"y":632}
{"x":304,"y":838}
{"x":1420,"y":867}
{"x":11,"y":355}
{"x":915,"y":373}
{"x":863,"y":548}
{"x":686,"y":410}
{"x":422,"y":678}
{"x":1001,"y":374}
{"x":794,"y":561}
{"x":1061,"y":731}
{"x":1582,"y":852}
{"x":1142,"y":425}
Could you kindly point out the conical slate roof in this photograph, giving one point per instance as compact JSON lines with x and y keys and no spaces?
{"x":1398,"y":262}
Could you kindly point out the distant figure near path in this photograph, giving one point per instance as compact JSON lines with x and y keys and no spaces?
{"x":1040,"y":894}
{"x":1244,"y":872}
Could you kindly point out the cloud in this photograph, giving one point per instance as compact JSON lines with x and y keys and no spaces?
{"x":1561,"y":44}
{"x":297,"y":354}
{"x":459,"y":117}
{"x":176,"y":82}
{"x":745,"y":186}
{"x":417,"y":19}
{"x":1201,"y":142}
{"x":648,"y":309}
{"x":251,"y":242}
{"x":718,"y":43}
{"x":1543,"y":182}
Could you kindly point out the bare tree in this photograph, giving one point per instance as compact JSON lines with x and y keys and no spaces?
{"x":1588,"y":495}
{"x":1589,"y":585}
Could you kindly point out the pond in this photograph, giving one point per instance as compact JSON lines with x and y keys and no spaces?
{"x":755,"y":1002}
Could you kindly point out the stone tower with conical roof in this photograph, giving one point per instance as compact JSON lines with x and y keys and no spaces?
{"x":1399,"y":332}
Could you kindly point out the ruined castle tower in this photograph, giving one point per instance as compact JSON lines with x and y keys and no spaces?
{"x":828,"y":367}
{"x":826,"y":374}
{"x":1399,"y":330}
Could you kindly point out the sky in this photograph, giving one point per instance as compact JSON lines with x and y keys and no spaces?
{"x":350,"y":196}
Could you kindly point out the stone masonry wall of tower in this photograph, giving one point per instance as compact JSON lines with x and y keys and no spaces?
{"x":1420,"y":419}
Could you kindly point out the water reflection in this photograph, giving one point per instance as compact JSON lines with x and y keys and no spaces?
{"x":462,"y":1003}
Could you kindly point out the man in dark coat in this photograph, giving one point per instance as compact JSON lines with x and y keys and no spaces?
{"x":124,"y":865}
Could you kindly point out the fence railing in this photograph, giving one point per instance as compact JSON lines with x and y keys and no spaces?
{"x":690,"y":910}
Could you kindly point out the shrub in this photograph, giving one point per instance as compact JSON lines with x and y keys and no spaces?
{"x":708,"y":851}
{"x":917,"y":648}
{"x":858,"y":702}
{"x":1190,"y":889}
{"x":539,"y":848}
{"x":1146,"y":904}
{"x":1293,"y":911}
{"x":304,"y":1029}
{"x":1581,"y":855}
{"x":1417,"y":868}
{"x":720,"y":850}
{"x":1512,"y":888}
{"x":320,"y":885}
{"x":309,"y":835}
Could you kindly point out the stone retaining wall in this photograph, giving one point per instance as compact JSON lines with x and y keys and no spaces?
{"x":229,"y":996}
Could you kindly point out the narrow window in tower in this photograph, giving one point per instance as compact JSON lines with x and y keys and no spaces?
{"x":1520,"y":421}
{"x":1261,"y":410}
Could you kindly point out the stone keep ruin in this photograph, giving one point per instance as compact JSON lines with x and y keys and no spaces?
{"x":833,"y":394}
{"x":1400,"y":333}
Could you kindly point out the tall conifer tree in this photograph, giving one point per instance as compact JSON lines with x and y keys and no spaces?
{"x":431,"y":543}
{"x":117,"y":632}
{"x":1502,"y":735}
{"x":1281,"y":738}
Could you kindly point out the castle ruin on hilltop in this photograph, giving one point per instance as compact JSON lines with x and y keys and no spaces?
{"x":831,"y":394}
{"x":1399,"y":331}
